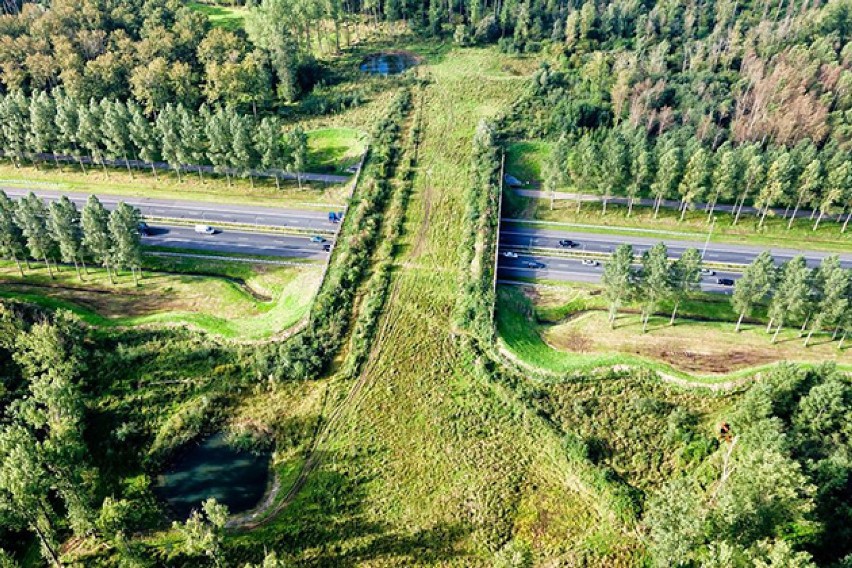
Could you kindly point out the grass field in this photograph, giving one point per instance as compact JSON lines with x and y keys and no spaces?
{"x":430,"y":463}
{"x":227,"y":17}
{"x":166,"y":186}
{"x":525,"y":159}
{"x":232,"y":300}
{"x":563,"y":330}
{"x":333,"y":150}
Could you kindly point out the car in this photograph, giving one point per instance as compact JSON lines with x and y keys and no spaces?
{"x":707,"y":272}
{"x":326,"y":248}
{"x":534,"y":265}
{"x":317,"y":239}
{"x":205,"y":230}
{"x":144,"y":229}
{"x":590,"y":262}
{"x":568,"y":243}
{"x":725,"y":281}
{"x":510,"y":254}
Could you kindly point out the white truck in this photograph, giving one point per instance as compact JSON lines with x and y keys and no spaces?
{"x":205,"y":230}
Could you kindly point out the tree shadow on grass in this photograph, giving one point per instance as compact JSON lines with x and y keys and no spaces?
{"x":328,"y":524}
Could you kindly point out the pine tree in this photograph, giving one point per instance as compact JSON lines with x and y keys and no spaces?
{"x":810,"y":185}
{"x":127,"y":244}
{"x":218,"y":131}
{"x":299,"y":147}
{"x":192,"y":149}
{"x":68,"y":124}
{"x":11,"y":238}
{"x":96,"y":235}
{"x":756,"y":282}
{"x":615,"y":168}
{"x":43,"y":134}
{"x":241,"y":157}
{"x":641,"y":167}
{"x":754,"y":177}
{"x":791,"y":298}
{"x":31,"y":214}
{"x":142,"y":134}
{"x":726,"y":178}
{"x":685,"y":278}
{"x":695,"y":181}
{"x":838,"y":181}
{"x":168,"y":128}
{"x":267,"y":145}
{"x":618,"y":279}
{"x":669,"y":173}
{"x":656,"y":281}
{"x":833,"y":283}
{"x":779,"y":179}
{"x":14,"y":122}
{"x":116,"y":132}
{"x":66,"y":231}
{"x":91,"y":132}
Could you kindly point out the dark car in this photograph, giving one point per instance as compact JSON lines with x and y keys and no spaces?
{"x":568,"y":243}
{"x":326,"y":248}
{"x":725,"y":281}
{"x":144,"y":229}
{"x":534,"y":265}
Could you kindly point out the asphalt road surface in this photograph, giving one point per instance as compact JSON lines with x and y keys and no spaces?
{"x":515,"y":237}
{"x":227,"y":241}
{"x":573,"y":270}
{"x":206,"y":212}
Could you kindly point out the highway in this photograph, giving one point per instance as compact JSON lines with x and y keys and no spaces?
{"x":207,"y":212}
{"x":235,"y":242}
{"x":519,"y":239}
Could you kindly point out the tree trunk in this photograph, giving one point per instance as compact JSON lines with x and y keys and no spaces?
{"x":77,"y":268}
{"x":657,"y":206}
{"x":49,"y":271}
{"x":109,"y":272}
{"x":135,"y":279}
{"x":777,"y":329}
{"x":834,"y":335}
{"x":846,"y":222}
{"x":299,"y":179}
{"x":739,"y":322}
{"x":103,"y":165}
{"x":603,"y":212}
{"x":18,"y":263}
{"x":674,"y":313}
{"x":579,"y":203}
{"x":739,"y":211}
{"x":763,"y":216}
{"x":842,"y":339}
{"x":154,"y":169}
{"x":83,"y":262}
{"x":808,"y":339}
{"x":177,"y":170}
{"x":629,"y":207}
{"x":45,"y":543}
{"x":82,"y":167}
{"x":816,"y":225}
{"x":251,"y":180}
{"x":804,"y":324}
{"x":683,"y":211}
{"x":645,"y":322}
{"x":277,"y":182}
{"x":793,"y":216}
{"x":127,"y":165}
{"x":769,"y":325}
{"x":200,"y":175}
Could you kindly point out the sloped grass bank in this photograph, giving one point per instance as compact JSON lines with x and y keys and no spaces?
{"x":231,"y":300}
{"x":565,"y":331}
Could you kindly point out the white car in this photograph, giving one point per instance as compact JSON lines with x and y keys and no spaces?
{"x":708,"y":272}
{"x":510,"y":254}
{"x":590,"y":262}
{"x":205,"y":230}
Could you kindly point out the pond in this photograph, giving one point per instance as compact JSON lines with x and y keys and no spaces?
{"x":212,"y":468}
{"x":388,"y":63}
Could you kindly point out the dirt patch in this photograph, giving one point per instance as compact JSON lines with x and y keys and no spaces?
{"x":571,"y":340}
{"x":708,"y":362}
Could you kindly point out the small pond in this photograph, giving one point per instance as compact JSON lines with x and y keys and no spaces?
{"x":211,"y":468}
{"x":388,"y":63}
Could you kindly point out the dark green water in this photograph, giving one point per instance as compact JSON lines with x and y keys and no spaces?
{"x":213,"y":469}
{"x":387,"y":63}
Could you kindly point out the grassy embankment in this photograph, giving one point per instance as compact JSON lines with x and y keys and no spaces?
{"x":525,"y":160}
{"x":565,"y":329}
{"x":229,"y":299}
{"x":330,"y":151}
{"x":227,"y":17}
{"x":429,"y":462}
